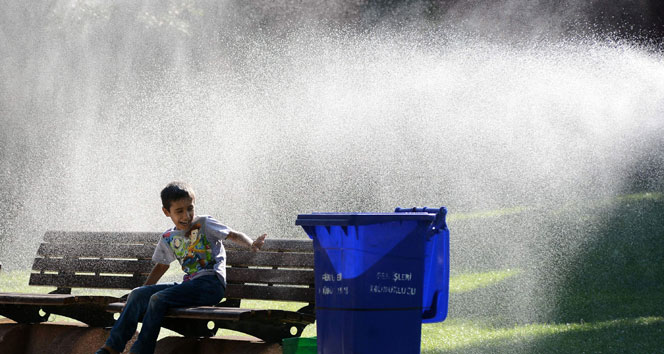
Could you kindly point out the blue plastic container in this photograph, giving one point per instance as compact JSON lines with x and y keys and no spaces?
{"x":378,"y":277}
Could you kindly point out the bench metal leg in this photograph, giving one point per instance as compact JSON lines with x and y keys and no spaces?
{"x":270,"y":332}
{"x":189,"y":327}
{"x":23,"y":313}
{"x":90,"y":314}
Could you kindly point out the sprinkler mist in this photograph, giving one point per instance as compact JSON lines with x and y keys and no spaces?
{"x":338,"y":107}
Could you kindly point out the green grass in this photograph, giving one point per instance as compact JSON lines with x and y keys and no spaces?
{"x":471,"y":281}
{"x":638,"y":335}
{"x":597,"y":287}
{"x":597,"y":282}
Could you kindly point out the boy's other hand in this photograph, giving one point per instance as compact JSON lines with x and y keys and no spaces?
{"x":258,"y":243}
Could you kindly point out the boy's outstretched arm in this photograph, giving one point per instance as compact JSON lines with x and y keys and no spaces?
{"x":157,"y":272}
{"x":242,"y":239}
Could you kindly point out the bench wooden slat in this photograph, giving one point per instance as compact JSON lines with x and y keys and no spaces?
{"x":52,"y":299}
{"x":269,"y":259}
{"x":279,"y":293}
{"x":116,"y":266}
{"x":36,"y":299}
{"x":276,"y":276}
{"x":208,"y":313}
{"x":236,"y":314}
{"x":197,"y":312}
{"x":87,"y":281}
{"x":225,"y":313}
{"x":82,"y":237}
{"x":97,"y":250}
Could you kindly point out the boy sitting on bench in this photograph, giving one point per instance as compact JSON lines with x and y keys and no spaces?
{"x":196,"y":242}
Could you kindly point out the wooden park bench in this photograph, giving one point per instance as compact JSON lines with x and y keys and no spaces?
{"x":281,"y":271}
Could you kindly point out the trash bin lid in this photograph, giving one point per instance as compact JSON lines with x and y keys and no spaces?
{"x":345,"y":219}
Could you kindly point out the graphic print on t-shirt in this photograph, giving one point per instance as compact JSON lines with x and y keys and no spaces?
{"x":191,"y":248}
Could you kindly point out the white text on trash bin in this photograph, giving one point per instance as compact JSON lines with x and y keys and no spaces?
{"x":394,"y":276}
{"x":339,"y":290}
{"x":392,"y":289}
{"x":332,"y":277}
{"x":332,"y":289}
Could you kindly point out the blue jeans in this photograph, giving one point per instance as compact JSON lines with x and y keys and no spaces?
{"x":152,"y":302}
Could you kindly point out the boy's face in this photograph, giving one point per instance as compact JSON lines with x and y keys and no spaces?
{"x":181,"y":212}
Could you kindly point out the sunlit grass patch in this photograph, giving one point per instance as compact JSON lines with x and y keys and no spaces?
{"x":468,"y":282}
{"x":641,"y":196}
{"x":16,"y":281}
{"x":459,"y":335}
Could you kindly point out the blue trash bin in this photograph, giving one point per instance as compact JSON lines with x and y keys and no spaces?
{"x":378,"y":277}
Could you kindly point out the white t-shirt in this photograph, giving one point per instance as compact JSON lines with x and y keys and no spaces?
{"x":198,"y":249}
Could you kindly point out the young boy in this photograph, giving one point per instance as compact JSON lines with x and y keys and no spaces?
{"x":195,"y":242}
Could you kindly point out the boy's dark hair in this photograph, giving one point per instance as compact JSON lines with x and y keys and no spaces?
{"x":175,"y":191}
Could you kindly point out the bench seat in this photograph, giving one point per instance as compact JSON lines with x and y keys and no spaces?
{"x":35,"y":308}
{"x":203,"y":321}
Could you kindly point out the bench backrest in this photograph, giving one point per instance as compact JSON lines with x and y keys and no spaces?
{"x":282,"y":270}
{"x":106,"y":260}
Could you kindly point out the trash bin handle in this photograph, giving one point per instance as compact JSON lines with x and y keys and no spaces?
{"x":421,"y":210}
{"x":438,"y":223}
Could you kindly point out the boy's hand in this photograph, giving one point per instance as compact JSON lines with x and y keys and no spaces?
{"x":258,"y":243}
